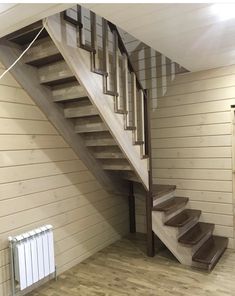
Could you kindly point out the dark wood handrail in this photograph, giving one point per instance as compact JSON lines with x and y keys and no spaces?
{"x":123,"y":49}
{"x":121,"y":46}
{"x":113,"y":28}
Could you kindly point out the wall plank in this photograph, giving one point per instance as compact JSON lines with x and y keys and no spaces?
{"x":42,"y":181}
{"x":24,"y":157}
{"x":192,"y":144}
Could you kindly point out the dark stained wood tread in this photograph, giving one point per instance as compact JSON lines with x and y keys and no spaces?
{"x":160,"y":190}
{"x":196,"y":233}
{"x":171,"y":204}
{"x":211,"y":251}
{"x":183,"y":218}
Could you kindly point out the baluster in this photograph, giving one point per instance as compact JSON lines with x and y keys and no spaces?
{"x":81,"y":29}
{"x":116,"y":72}
{"x":126,"y":106}
{"x":82,"y":41}
{"x":142,"y":121}
{"x":106,"y":69}
{"x":146,"y":124}
{"x":93,"y":40}
{"x":134,"y":105}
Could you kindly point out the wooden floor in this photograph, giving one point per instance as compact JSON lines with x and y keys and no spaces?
{"x":124,"y":269}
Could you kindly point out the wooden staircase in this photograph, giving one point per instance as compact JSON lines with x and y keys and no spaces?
{"x":103,"y":114}
{"x":191,"y":241}
{"x":78,"y":107}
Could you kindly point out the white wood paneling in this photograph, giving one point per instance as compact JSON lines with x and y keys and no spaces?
{"x":192,"y":143}
{"x":42,"y":181}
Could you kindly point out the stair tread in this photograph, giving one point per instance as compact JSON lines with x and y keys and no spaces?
{"x":117,"y":167}
{"x":108,"y":155}
{"x":90,"y":127}
{"x":160,"y":190}
{"x":42,"y":53}
{"x":211,"y":250}
{"x":196,"y":233}
{"x":56,"y":73}
{"x":68,"y":92}
{"x":99,"y":139}
{"x":80,"y":111}
{"x":183,"y":218}
{"x":170,"y":204}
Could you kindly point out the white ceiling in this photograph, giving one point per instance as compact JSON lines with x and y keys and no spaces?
{"x":16,"y":16}
{"x":191,"y":34}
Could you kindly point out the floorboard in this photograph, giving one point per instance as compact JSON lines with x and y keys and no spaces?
{"x":124,"y":269}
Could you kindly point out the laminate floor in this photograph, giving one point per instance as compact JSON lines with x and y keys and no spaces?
{"x":124,"y":269}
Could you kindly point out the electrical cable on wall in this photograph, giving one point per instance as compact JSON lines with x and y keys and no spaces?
{"x":16,"y":61}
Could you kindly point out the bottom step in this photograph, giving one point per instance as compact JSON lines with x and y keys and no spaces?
{"x":210,"y":252}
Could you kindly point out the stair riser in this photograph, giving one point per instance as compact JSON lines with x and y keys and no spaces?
{"x":55,"y":73}
{"x":90,"y":128}
{"x":109,"y":156}
{"x":176,"y":209}
{"x":100,"y":143}
{"x":168,"y":216}
{"x":163,"y":198}
{"x":184,"y":229}
{"x":121,"y":168}
{"x":201,"y":242}
{"x":69,"y":94}
{"x":42,"y":53}
{"x":79,"y":113}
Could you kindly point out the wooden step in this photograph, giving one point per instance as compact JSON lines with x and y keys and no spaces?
{"x":56,"y":73}
{"x":109,"y":154}
{"x":171,"y":205}
{"x":196,"y":233}
{"x":42,"y":52}
{"x":99,"y":139}
{"x":130,"y":176}
{"x":120,"y":165}
{"x":161,"y":190}
{"x":68,"y":91}
{"x":80,"y":111}
{"x":210,"y":252}
{"x":183,"y":218}
{"x":90,"y":127}
{"x":27,"y":34}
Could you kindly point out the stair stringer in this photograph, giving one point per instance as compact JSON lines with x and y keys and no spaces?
{"x":169,"y":236}
{"x":27,"y":77}
{"x":64,"y":36}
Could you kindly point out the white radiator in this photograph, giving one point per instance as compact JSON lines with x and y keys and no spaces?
{"x":32,"y":256}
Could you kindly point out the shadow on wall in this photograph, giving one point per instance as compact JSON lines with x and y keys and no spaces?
{"x":154,"y":70}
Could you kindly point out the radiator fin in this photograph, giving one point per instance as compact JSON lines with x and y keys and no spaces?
{"x":33,"y":256}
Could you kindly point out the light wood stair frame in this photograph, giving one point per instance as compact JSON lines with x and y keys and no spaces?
{"x":83,"y":114}
{"x":79,"y":63}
